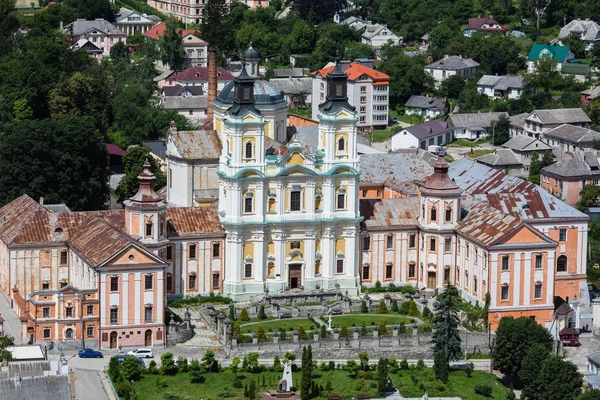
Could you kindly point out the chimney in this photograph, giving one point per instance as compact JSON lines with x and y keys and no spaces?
{"x":42,"y":201}
{"x":212,"y":82}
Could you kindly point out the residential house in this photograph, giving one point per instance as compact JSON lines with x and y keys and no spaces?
{"x":561,"y":54}
{"x":590,"y":95}
{"x":540,"y":121}
{"x":451,"y":65}
{"x":486,"y":25}
{"x":158,"y":151}
{"x":516,"y":125}
{"x":503,"y":160}
{"x":501,"y":87}
{"x":426,"y":106}
{"x":188,"y":101}
{"x":131,"y":22}
{"x":435,"y":132}
{"x":473,"y":126}
{"x":197,"y":76}
{"x":375,"y":35}
{"x":100,"y":32}
{"x":291,"y":72}
{"x":588,"y":31}
{"x":572,"y":138}
{"x":566,"y":177}
{"x":296,"y":91}
{"x":523,"y":147}
{"x":368,"y":91}
{"x":579,"y":71}
{"x":190,"y":11}
{"x":195,"y":49}
{"x":181,"y":91}
{"x":90,"y":48}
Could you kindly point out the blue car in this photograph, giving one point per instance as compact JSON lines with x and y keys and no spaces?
{"x":89,"y":353}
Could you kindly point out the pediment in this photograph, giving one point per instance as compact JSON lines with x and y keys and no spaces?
{"x":133,"y":255}
{"x":524,"y":234}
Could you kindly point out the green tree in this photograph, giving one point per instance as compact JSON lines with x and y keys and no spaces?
{"x":440,"y":365}
{"x":92,"y":9}
{"x":382,"y":309}
{"x":252,"y":389}
{"x":413,"y":311}
{"x":302,"y":333}
{"x":499,"y":130}
{"x":119,"y":52}
{"x":576,"y":44}
{"x":363,"y":356}
{"x":546,"y":76}
{"x":9,"y":24}
{"x":404,"y":308}
{"x":407,"y":77}
{"x":6,"y":341}
{"x":168,"y":366}
{"x":307,"y":370}
{"x":471,"y":100}
{"x":588,"y":197}
{"x":303,"y":38}
{"x":171,"y":47}
{"x":114,"y":368}
{"x":62,"y":160}
{"x":250,"y":362}
{"x":131,"y":369}
{"x":209,"y":362}
{"x":355,"y":50}
{"x":232,"y":314}
{"x":215,"y":21}
{"x":558,"y":380}
{"x":244,"y":315}
{"x":537,"y":164}
{"x":318,"y":11}
{"x":382,"y":376}
{"x":452,"y":86}
{"x":21,"y":111}
{"x":261,"y":334}
{"x":323,"y":331}
{"x":590,"y":394}
{"x":344,"y":331}
{"x":395,"y":305}
{"x":446,"y":337}
{"x":261,"y":312}
{"x":530,"y":369}
{"x":134,"y":160}
{"x":363,"y":307}
{"x":514,"y":337}
{"x":276,"y":364}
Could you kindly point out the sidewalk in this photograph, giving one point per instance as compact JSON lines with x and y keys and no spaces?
{"x":12,"y":323}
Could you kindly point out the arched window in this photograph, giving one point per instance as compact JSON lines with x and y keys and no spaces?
{"x":341,"y":145}
{"x":561,"y":264}
{"x":248,"y":150}
{"x":69,"y":333}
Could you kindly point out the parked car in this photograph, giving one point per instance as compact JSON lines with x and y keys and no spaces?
{"x":142,"y":353}
{"x":392,"y":119}
{"x":285,"y":314}
{"x":122,"y":357}
{"x":337,"y":311}
{"x":437,"y":150}
{"x":89,"y":353}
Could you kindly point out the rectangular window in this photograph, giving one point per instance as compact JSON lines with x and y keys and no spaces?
{"x":434,"y":214}
{"x":114,"y":283}
{"x":46,"y":333}
{"x":538,"y":261}
{"x":466,"y":279}
{"x":295,"y":200}
{"x":340,"y":266}
{"x":69,"y":312}
{"x":388,"y":271}
{"x":365,"y":193}
{"x":169,"y":253}
{"x":248,"y":270}
{"x":363,"y":99}
{"x":90,"y":310}
{"x":114,"y":315}
{"x":148,"y":314}
{"x":216,"y":281}
{"x":169,"y":282}
{"x":363,"y":89}
{"x":89,"y":331}
{"x":467,"y":248}
{"x":148,"y":282}
{"x":537,"y":291}
{"x":216,"y":250}
{"x":366,"y":243}
{"x":341,"y":201}
{"x":379,"y":192}
{"x":411,"y":270}
{"x":562,"y":235}
{"x":505,"y":263}
{"x":63,"y":257}
{"x":412,"y":239}
{"x":504,"y":295}
{"x":46,"y":312}
{"x":432,"y":244}
{"x":248,"y":205}
{"x":63,"y":284}
{"x":366,"y":272}
{"x":474,"y":284}
{"x":149,"y":229}
{"x":448,"y":245}
{"x":448,"y":215}
{"x":45,"y":286}
{"x":389,"y":241}
{"x":192,"y":282}
{"x":192,"y":252}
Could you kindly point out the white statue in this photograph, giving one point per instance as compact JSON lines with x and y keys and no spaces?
{"x":286,"y":381}
{"x":329,"y":322}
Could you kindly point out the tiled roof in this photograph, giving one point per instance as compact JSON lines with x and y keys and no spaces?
{"x":195,"y":145}
{"x":185,"y":103}
{"x":159,"y":29}
{"x":395,"y":213}
{"x":193,"y":220}
{"x":114,"y":150}
{"x":526,"y":143}
{"x":125,"y":12}
{"x":560,"y":116}
{"x":82,"y":26}
{"x":355,"y":71}
{"x":573,"y":134}
{"x":475,"y":120}
{"x":590,"y":29}
{"x":402,"y":167}
{"x":484,"y":223}
{"x":477,"y":23}
{"x":429,"y":129}
{"x":96,"y":241}
{"x":426,"y":102}
{"x":439,"y":183}
{"x":53,"y":387}
{"x":499,"y":158}
{"x":575,"y":167}
{"x":200,"y":74}
{"x":503,"y":82}
{"x":592,"y":92}
{"x":518,"y":120}
{"x":453,"y":63}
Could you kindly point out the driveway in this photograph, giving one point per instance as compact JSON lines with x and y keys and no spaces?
{"x":90,"y":381}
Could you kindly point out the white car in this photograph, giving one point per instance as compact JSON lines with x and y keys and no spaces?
{"x":142,"y":353}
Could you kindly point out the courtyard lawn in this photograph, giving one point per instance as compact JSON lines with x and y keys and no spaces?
{"x":478,"y":153}
{"x":410,"y":383}
{"x":275,"y":325}
{"x":368,"y":319}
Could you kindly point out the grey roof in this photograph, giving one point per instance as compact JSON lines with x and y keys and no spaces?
{"x":594,"y":357}
{"x":409,"y":165}
{"x":573,"y":134}
{"x":292,"y":85}
{"x":475,"y":120}
{"x":589,"y":29}
{"x":518,"y":120}
{"x":125,"y":12}
{"x":429,"y":129}
{"x":264,"y":94}
{"x":185,"y":103}
{"x":592,"y":92}
{"x":177,"y":90}
{"x":526,"y":143}
{"x":196,"y":145}
{"x":164,"y":75}
{"x":291,"y":72}
{"x":560,"y":116}
{"x":308,"y":136}
{"x":57,"y":208}
{"x":36,"y":387}
{"x":453,"y":63}
{"x":426,"y":102}
{"x":500,"y":158}
{"x":576,"y":166}
{"x":26,"y":369}
{"x":503,"y":82}
{"x":82,"y":26}
{"x":508,"y":193}
{"x":158,"y":147}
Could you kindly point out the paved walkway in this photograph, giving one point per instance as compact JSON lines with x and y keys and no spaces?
{"x":12,"y":323}
{"x":203,"y":338}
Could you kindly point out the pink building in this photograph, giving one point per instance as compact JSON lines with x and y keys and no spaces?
{"x":99,"y":32}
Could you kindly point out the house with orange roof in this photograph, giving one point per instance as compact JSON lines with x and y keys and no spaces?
{"x":368,"y":92}
{"x":196,"y":49}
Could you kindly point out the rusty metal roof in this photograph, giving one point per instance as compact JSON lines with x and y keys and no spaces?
{"x":194,"y":145}
{"x":395,"y":213}
{"x":402,"y":167}
{"x":187,"y":221}
{"x":484,"y":223}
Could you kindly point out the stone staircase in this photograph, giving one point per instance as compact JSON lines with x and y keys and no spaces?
{"x":203,"y":336}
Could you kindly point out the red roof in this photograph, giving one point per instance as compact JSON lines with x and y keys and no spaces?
{"x":158,"y":30}
{"x":200,"y":74}
{"x":355,"y":71}
{"x":114,"y":150}
{"x":477,"y":23}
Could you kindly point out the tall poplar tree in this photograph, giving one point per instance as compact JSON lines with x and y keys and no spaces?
{"x":216,"y":26}
{"x":446,"y":337}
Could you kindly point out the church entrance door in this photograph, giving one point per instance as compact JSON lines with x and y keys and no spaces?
{"x":431,"y":280}
{"x":295,"y":276}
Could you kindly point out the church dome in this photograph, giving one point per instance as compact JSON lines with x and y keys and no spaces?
{"x":251,"y":54}
{"x":265,"y":94}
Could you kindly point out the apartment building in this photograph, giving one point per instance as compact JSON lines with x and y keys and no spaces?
{"x":190,"y":11}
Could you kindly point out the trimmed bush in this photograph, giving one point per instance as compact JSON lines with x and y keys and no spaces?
{"x":484,"y":390}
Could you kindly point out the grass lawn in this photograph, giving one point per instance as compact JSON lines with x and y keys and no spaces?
{"x":276,"y":324}
{"x":410,"y":383}
{"x":368,"y":320}
{"x":478,"y":153}
{"x":463,"y":143}
{"x":411,"y":119}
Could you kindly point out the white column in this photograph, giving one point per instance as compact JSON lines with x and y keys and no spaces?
{"x":258,"y":238}
{"x":233,"y":260}
{"x":279,"y":241}
{"x":138,"y":299}
{"x":309,"y":206}
{"x":550,"y":271}
{"x":515,"y":280}
{"x":328,"y":199}
{"x":309,"y":254}
{"x":527,"y":283}
{"x":160,"y":296}
{"x":259,"y":201}
{"x":328,"y":249}
{"x":125,"y":297}
{"x":351,"y":253}
{"x":493,"y":281}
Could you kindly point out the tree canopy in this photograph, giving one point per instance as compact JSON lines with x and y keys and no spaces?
{"x":133,"y":161}
{"x":446,"y":322}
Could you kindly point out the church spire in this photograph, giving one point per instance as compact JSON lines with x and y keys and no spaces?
{"x":337,"y":91}
{"x":243,"y":97}
{"x":146,"y":196}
